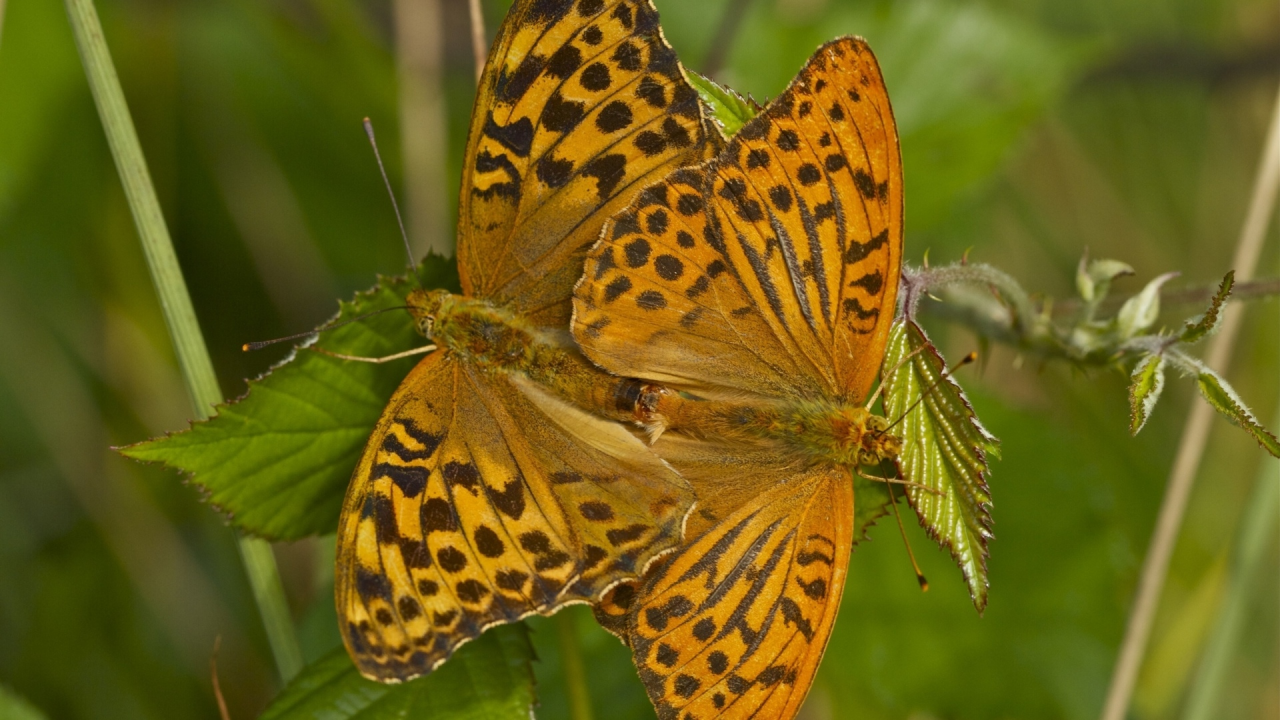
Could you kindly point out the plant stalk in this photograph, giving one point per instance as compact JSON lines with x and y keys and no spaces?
{"x":423,"y":120}
{"x":575,"y":671}
{"x":1195,"y":435}
{"x":479,"y":46}
{"x":1257,"y":531}
{"x":175,"y":302}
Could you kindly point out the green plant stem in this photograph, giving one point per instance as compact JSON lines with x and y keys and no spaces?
{"x":175,"y":302}
{"x":1195,"y":436}
{"x":479,"y":45}
{"x":575,"y":672}
{"x":1257,"y":530}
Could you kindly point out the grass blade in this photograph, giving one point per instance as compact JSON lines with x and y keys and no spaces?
{"x":179,"y":315}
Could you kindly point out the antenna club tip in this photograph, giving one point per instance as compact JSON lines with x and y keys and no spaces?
{"x":971,"y":357}
{"x":924,"y":583}
{"x":245,"y":347}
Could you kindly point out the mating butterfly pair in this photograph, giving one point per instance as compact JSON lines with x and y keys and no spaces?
{"x":739,"y":296}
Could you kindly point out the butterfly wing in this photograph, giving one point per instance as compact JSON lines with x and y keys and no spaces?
{"x":477,"y":502}
{"x":735,"y":623}
{"x":771,"y":269}
{"x":581,"y":105}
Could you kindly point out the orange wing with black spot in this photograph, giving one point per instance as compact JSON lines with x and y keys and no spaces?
{"x":771,"y":269}
{"x":480,"y":500}
{"x":735,"y":624}
{"x":581,"y":105}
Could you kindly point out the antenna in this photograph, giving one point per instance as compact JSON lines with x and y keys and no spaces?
{"x":920,"y":578}
{"x":408,"y":251}
{"x":251,"y":346}
{"x":971,"y":357}
{"x":879,"y":389}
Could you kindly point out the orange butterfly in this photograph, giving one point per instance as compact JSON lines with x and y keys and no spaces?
{"x":756,"y":292}
{"x":487,"y":493}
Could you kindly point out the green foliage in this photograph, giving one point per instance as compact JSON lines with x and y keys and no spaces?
{"x":1140,"y":311}
{"x":490,"y":677}
{"x":616,"y":692}
{"x":1144,"y":391}
{"x":944,"y":449}
{"x":1086,"y":338}
{"x":729,"y":109}
{"x":1093,"y":278}
{"x":1030,"y":129}
{"x":13,"y":707}
{"x":1225,"y":400}
{"x":277,"y":461}
{"x":1196,"y":329}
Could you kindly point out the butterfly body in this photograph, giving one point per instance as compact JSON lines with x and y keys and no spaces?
{"x":493,"y":339}
{"x":817,"y":430}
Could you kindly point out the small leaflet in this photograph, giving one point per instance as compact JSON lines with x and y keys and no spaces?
{"x":1197,"y":328}
{"x":1140,"y":311}
{"x":1144,"y":390}
{"x":1225,"y":400}
{"x":944,"y":448}
{"x":729,"y":108}
{"x":277,"y":460}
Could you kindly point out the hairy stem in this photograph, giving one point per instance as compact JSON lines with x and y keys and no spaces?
{"x":179,"y":315}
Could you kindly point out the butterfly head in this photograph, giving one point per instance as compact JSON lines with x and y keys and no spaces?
{"x":845,"y":435}
{"x":877,"y":443}
{"x":425,"y":306}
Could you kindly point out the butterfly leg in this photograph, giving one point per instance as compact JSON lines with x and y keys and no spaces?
{"x":893,"y":502}
{"x":356,"y":358}
{"x":900,"y":481}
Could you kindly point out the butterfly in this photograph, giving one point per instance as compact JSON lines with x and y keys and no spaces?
{"x":489,"y":491}
{"x":755,"y":294}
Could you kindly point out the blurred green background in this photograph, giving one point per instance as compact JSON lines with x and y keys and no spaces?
{"x":1031,"y":129}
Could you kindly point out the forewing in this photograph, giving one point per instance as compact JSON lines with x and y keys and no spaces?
{"x":772,"y":267}
{"x":472,"y":506}
{"x":581,"y":105}
{"x":736,"y":623}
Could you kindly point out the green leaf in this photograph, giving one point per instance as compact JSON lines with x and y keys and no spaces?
{"x":1225,"y":400}
{"x":944,"y":448}
{"x":1093,"y":277}
{"x":1144,"y":390}
{"x":728,"y":107}
{"x":1197,"y":328}
{"x":278,"y":460}
{"x":1140,"y":311}
{"x":490,"y":677}
{"x":14,"y":707}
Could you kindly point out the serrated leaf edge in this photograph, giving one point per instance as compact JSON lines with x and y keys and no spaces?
{"x":978,"y":592}
{"x":1144,"y":390}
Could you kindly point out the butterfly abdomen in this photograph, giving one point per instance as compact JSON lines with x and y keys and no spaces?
{"x":819,"y":431}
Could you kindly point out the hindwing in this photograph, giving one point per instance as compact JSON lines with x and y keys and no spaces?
{"x":735,"y":624}
{"x":772,"y":268}
{"x":480,"y":500}
{"x":581,"y":105}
